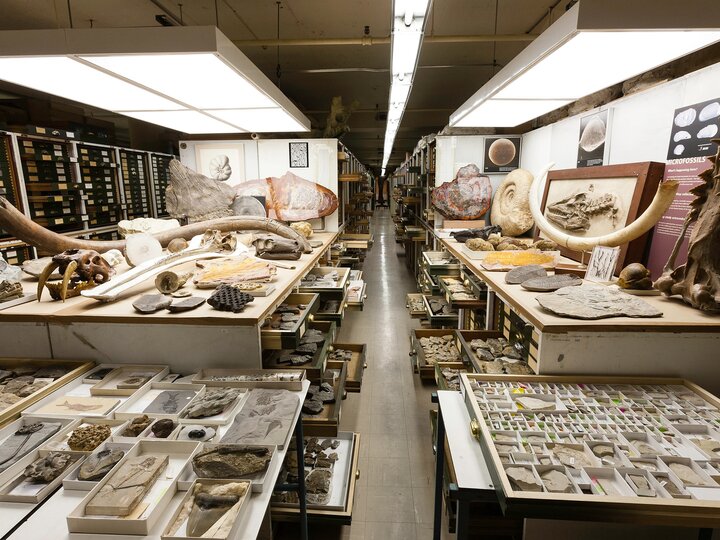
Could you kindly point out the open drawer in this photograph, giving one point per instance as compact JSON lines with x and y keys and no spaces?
{"x":416,"y":306}
{"x":441,"y":263}
{"x":289,"y":338}
{"x":470,"y":357}
{"x":357,"y":294}
{"x":339,"y":508}
{"x":439,"y":319}
{"x":272,"y":358}
{"x":327,"y":422}
{"x":336,"y":291}
{"x":447,"y":375}
{"x":448,"y":285}
{"x":425,"y":365}
{"x":355,"y":365}
{"x":357,"y":240}
{"x":332,"y":308}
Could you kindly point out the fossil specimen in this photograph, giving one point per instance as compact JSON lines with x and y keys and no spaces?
{"x":186,"y":304}
{"x":523,"y":273}
{"x":511,"y":204}
{"x":97,"y":465}
{"x":170,"y":402}
{"x":570,"y":457}
{"x":127,"y":486}
{"x":232,"y":271}
{"x":595,"y":302}
{"x":686,"y":475}
{"x":81,"y":269}
{"x":126,"y":227}
{"x":265,"y":418}
{"x":231,"y":461}
{"x":10,"y":291}
{"x":484,"y":233}
{"x":681,"y":136}
{"x":478,"y":244}
{"x":556,"y":481}
{"x":137,"y":426}
{"x":24,"y":440}
{"x":46,"y":469}
{"x":213,"y":402}
{"x":87,"y":438}
{"x":211,"y":510}
{"x":303,"y":227}
{"x":467,"y":196}
{"x":163,"y":428}
{"x":523,"y":479}
{"x":635,"y":276}
{"x":318,"y":485}
{"x":150,"y":303}
{"x":272,"y":246}
{"x":685,"y":118}
{"x":220,"y":168}
{"x":708,"y":132}
{"x":593,"y":136}
{"x":228,"y":298}
{"x":168,"y":281}
{"x":551,"y":283}
{"x":78,"y":405}
{"x":709,"y":112}
{"x":440,"y":349}
{"x":535,"y":404}
{"x":573,"y":213}
{"x":502,"y":151}
{"x":698,"y":280}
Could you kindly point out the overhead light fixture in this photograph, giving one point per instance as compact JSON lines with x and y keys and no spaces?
{"x":192,"y":79}
{"x":595,"y":44}
{"x":408,"y":25}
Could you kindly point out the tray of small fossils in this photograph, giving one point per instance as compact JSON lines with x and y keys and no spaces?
{"x":439,"y":312}
{"x":310,"y":354}
{"x":458,"y":293}
{"x":416,"y":306}
{"x":251,"y":378}
{"x":491,"y":353}
{"x":329,"y":280}
{"x":287,"y":324}
{"x":440,"y":263}
{"x":433,"y":346}
{"x":600,"y":446}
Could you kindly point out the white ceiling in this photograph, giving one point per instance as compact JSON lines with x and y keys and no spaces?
{"x":448,"y":73}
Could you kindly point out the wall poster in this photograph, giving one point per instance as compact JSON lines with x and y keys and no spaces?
{"x":693,"y":129}
{"x":299,"y":155}
{"x":221,"y":161}
{"x":502,"y":154}
{"x":592,"y":138}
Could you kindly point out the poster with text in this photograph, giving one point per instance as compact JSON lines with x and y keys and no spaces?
{"x":591,"y":140}
{"x":693,"y":129}
{"x":502,"y":154}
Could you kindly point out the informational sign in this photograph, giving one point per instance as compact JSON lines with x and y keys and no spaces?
{"x":502,"y":154}
{"x":602,"y":264}
{"x":591,"y":141}
{"x":693,"y":129}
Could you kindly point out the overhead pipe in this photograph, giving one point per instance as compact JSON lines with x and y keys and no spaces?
{"x":369,"y":40}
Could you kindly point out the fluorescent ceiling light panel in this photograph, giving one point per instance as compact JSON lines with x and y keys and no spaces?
{"x":201,"y":80}
{"x":185,"y":121}
{"x":259,"y":120}
{"x":405,"y":49}
{"x":594,"y":45}
{"x":399,"y":93}
{"x":508,"y":113}
{"x":418,"y":8}
{"x":67,"y":78}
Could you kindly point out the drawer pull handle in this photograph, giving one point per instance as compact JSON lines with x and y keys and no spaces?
{"x":475,"y":429}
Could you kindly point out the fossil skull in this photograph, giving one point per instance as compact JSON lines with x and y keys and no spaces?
{"x":81,"y":269}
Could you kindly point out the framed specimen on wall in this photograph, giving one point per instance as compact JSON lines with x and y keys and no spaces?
{"x":299,"y":158}
{"x":595,"y":201}
{"x":224,"y":162}
{"x":502,"y":154}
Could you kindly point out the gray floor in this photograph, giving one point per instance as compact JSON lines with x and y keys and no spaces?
{"x":393,"y":499}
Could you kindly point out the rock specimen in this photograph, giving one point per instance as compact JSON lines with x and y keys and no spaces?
{"x":511,"y":205}
{"x":644,"y":449}
{"x":126,"y":227}
{"x":97,"y":465}
{"x":24,"y":440}
{"x":303,"y":227}
{"x":523,"y":273}
{"x":635,"y":276}
{"x":440,"y":349}
{"x":228,"y":298}
{"x":46,"y":469}
{"x":593,"y":136}
{"x":88,"y":438}
{"x":150,"y":303}
{"x":232,"y":271}
{"x":127,"y":486}
{"x":686,"y":475}
{"x":291,"y":198}
{"x":196,"y":433}
{"x":341,"y":355}
{"x":231,"y":461}
{"x":571,"y":457}
{"x":439,"y":306}
{"x":318,"y":486}
{"x":10,"y":291}
{"x":523,"y":479}
{"x":497,"y":356}
{"x":196,"y":197}
{"x":551,"y":283}
{"x":466,"y":197}
{"x":556,"y":481}
{"x":312,"y":406}
{"x":535,"y":404}
{"x":478,"y":244}
{"x":137,"y":426}
{"x":163,"y":428}
{"x":641,"y":486}
{"x":484,"y":233}
{"x":265,"y":418}
{"x":211,"y":510}
{"x":502,"y":151}
{"x":213,"y":402}
{"x":595,"y":302}
{"x":170,"y":402}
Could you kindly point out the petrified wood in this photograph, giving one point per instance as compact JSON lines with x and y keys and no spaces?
{"x":467,"y":196}
{"x":127,"y":486}
{"x":595,"y":302}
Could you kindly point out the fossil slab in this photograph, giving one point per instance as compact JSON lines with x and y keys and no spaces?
{"x":551,"y":283}
{"x":47,"y":468}
{"x":467,"y":196}
{"x":231,"y":461}
{"x":24,"y":440}
{"x":556,"y":482}
{"x":186,"y":304}
{"x":150,"y":303}
{"x":97,"y":465}
{"x":318,"y":486}
{"x":591,"y":302}
{"x":128,"y":485}
{"x":265,"y":418}
{"x":523,"y":479}
{"x":169,"y":402}
{"x":213,"y":402}
{"x":88,"y":438}
{"x":686,"y":475}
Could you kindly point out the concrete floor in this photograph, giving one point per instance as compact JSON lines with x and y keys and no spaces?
{"x":394,"y":495}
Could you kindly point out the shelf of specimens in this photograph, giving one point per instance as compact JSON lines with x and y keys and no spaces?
{"x":641,"y":444}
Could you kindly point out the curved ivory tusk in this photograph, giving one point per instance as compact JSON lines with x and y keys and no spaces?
{"x":659,"y":205}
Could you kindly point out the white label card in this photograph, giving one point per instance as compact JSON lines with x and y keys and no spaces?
{"x":602,"y":264}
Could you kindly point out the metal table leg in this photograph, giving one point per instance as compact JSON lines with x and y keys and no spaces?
{"x":439,"y":470}
{"x":300,"y":443}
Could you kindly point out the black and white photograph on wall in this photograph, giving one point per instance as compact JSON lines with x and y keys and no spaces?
{"x":592,"y":138}
{"x":299,"y":158}
{"x":693,"y":129}
{"x":502,"y":154}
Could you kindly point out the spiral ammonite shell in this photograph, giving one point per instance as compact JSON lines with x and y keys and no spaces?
{"x":220,"y":168}
{"x":511,"y":205}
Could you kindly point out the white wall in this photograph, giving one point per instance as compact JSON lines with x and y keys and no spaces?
{"x":640,"y":125}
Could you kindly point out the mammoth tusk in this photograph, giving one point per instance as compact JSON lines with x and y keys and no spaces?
{"x":21,"y":227}
{"x":661,"y":202}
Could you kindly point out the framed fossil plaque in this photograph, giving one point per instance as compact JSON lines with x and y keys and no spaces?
{"x":595,"y":201}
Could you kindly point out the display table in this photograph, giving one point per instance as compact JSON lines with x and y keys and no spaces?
{"x":115,"y":332}
{"x":680,"y":343}
{"x":48,"y":519}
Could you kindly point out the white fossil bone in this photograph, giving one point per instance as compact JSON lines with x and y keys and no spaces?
{"x":659,"y":205}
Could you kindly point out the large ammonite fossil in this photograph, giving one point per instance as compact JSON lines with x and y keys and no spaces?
{"x":220,"y":168}
{"x":511,"y":206}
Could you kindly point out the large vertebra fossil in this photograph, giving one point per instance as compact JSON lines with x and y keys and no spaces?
{"x":659,"y":205}
{"x":698,"y":280}
{"x":573,"y":213}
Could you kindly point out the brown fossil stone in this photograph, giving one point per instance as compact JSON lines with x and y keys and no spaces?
{"x":231,"y":461}
{"x":88,"y":438}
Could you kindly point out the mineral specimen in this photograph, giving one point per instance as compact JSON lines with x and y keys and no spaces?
{"x":8,"y":272}
{"x":213,"y":402}
{"x":97,"y":465}
{"x":467,"y":196}
{"x":46,"y":469}
{"x":88,"y":438}
{"x":231,"y":461}
{"x":162,"y":428}
{"x":196,"y":433}
{"x":551,"y":283}
{"x":137,"y":426}
{"x":511,"y":205}
{"x":595,"y":302}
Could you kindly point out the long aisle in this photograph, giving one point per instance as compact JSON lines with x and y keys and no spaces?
{"x":393,"y":499}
